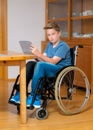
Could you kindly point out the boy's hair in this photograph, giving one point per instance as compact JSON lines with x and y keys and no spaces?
{"x":52,"y":25}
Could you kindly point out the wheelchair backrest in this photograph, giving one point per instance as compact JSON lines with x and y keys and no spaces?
{"x":74,"y":52}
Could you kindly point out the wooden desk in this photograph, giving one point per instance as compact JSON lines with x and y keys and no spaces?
{"x":18,"y":59}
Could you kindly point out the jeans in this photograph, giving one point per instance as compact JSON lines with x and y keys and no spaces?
{"x":37,"y":70}
{"x":29,"y":71}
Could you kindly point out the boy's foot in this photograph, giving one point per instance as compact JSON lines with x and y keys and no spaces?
{"x":16,"y":98}
{"x":36,"y":103}
{"x":28,"y":101}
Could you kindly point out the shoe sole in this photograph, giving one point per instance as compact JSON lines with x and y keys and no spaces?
{"x":14,"y":101}
{"x":27,"y":106}
{"x":36,"y":106}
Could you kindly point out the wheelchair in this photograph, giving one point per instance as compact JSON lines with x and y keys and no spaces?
{"x":70,"y":88}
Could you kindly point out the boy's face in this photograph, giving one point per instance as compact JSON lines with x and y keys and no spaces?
{"x":53,"y":35}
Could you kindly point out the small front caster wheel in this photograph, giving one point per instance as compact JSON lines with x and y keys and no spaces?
{"x":41,"y":114}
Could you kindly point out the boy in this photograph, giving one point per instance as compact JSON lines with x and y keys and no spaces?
{"x":55,"y":57}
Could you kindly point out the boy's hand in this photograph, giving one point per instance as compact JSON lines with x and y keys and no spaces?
{"x":34,"y":50}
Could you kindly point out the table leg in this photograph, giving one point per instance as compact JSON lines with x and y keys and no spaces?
{"x":23,"y":115}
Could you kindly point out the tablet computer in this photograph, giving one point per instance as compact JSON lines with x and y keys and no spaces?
{"x":25,"y":46}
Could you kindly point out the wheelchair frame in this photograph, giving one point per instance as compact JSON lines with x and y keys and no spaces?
{"x":70,"y":96}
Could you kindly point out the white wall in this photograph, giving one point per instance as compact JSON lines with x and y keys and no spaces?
{"x":26,"y":19}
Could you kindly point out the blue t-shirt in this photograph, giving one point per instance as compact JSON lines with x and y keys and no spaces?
{"x":62,"y":50}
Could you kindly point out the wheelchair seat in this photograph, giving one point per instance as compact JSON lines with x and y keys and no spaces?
{"x":69,"y":88}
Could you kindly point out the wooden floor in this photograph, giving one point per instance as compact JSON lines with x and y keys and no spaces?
{"x":10,"y":120}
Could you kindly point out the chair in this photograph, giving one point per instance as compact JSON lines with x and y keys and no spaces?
{"x":70,"y":88}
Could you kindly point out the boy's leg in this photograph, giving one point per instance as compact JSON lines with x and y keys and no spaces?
{"x":29,"y":73}
{"x":42,"y":69}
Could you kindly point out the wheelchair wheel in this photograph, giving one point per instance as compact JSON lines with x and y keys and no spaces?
{"x":72,"y":90}
{"x":41,"y":113}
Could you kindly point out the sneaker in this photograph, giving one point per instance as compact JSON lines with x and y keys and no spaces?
{"x":15,"y":98}
{"x":29,"y":101}
{"x":37,"y":103}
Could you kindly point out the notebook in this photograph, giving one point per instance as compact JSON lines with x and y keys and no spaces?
{"x":25,"y":46}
